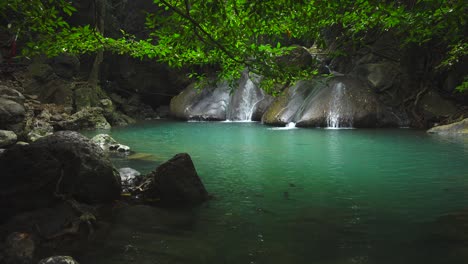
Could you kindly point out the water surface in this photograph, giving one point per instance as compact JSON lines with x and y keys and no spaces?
{"x":297,"y":196}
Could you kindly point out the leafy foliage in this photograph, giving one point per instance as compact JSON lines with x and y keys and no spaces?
{"x":234,"y":34}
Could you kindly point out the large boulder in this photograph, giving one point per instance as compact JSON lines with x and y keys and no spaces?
{"x":176,"y":183}
{"x":460,"y":128}
{"x":11,"y":115}
{"x":65,"y":164}
{"x":7,"y":138}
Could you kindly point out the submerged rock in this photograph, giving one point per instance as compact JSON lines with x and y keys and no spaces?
{"x":7,"y":138}
{"x":176,"y":183}
{"x":460,"y":128}
{"x":65,"y":164}
{"x":58,"y":260}
{"x":107,"y":143}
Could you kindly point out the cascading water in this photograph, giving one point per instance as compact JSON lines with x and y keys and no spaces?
{"x":244,"y":100}
{"x":339,"y":115}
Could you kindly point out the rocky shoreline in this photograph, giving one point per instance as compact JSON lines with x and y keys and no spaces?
{"x":58,"y":191}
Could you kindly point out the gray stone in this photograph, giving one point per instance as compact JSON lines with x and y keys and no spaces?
{"x":11,"y":114}
{"x":65,"y":163}
{"x":7,"y":138}
{"x":459,"y":128}
{"x":58,"y":260}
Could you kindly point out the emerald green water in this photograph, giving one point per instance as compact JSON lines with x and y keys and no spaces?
{"x":296,"y":196}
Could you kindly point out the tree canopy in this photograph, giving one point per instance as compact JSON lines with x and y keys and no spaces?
{"x":234,"y":34}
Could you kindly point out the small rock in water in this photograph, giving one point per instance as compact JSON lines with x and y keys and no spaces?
{"x":292,"y":185}
{"x":129,"y":176}
{"x":286,"y":195}
{"x":107,"y":143}
{"x":58,"y":260}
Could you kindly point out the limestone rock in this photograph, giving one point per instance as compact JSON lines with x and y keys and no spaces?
{"x":65,"y":163}
{"x":107,"y":143}
{"x":435,"y":107}
{"x":7,"y":138}
{"x":58,"y":260}
{"x":460,"y":128}
{"x":177,"y":183}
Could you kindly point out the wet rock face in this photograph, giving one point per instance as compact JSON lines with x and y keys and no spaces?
{"x":63,"y":164}
{"x":247,"y":102}
{"x":208,"y":104}
{"x":339,"y":102}
{"x":176,"y":183}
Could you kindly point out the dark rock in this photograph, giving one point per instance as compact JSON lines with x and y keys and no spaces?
{"x":63,"y":164}
{"x":41,"y":72}
{"x":7,"y":138}
{"x":176,"y":182}
{"x":58,"y":260}
{"x":19,"y":248}
{"x":11,"y":115}
{"x":65,"y":65}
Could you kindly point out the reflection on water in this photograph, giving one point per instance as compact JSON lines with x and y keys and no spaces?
{"x":297,"y":196}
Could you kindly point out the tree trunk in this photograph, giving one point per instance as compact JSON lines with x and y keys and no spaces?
{"x":100,"y":13}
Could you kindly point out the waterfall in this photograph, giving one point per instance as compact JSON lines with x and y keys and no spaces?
{"x":339,"y":113}
{"x":244,"y":100}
